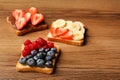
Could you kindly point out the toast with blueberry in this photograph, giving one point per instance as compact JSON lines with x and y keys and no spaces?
{"x":25,"y":22}
{"x":68,"y":32}
{"x":38,"y":56}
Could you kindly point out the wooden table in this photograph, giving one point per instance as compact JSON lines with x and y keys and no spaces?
{"x":98,"y":59}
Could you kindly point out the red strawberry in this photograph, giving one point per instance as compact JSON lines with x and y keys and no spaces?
{"x":27,"y":16}
{"x":18,"y":13}
{"x":33,"y":10}
{"x":27,"y":42}
{"x":53,"y":31}
{"x":37,"y":18}
{"x":21,"y":23}
{"x":61,"y":31}
{"x":68,"y":35}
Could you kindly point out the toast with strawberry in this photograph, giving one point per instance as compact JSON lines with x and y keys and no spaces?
{"x":24,"y":22}
{"x":38,"y":56}
{"x":68,"y":32}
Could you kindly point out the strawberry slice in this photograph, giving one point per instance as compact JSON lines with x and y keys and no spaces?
{"x":20,"y":23}
{"x":33,"y":10}
{"x":27,"y":16}
{"x":52,"y":30}
{"x":18,"y":13}
{"x":61,"y":31}
{"x":37,"y":18}
{"x":68,"y":36}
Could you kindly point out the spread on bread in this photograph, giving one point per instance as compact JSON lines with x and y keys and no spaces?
{"x":67,"y":31}
{"x":38,"y":55}
{"x":27,"y":21}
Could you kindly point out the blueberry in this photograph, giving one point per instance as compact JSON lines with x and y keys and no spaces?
{"x":46,"y":50}
{"x":33,"y":52}
{"x":48,"y":64}
{"x":54,"y":49}
{"x":48,"y":58}
{"x":41,"y":50}
{"x":31,"y":62}
{"x":51,"y":53}
{"x":41,"y":55}
{"x":28,"y":56}
{"x":35,"y":57}
{"x":22,"y":60}
{"x":40,"y":62}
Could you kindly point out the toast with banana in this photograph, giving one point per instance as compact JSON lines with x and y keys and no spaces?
{"x":68,"y":32}
{"x":26,"y":21}
{"x":38,"y":56}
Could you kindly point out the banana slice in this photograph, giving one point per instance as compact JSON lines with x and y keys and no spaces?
{"x":59,"y":23}
{"x":68,"y":25}
{"x":81,"y":25}
{"x":78,"y":35}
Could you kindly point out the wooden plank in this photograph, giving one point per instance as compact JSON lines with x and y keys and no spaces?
{"x":98,"y":59}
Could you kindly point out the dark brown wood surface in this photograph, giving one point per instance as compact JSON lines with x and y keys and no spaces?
{"x":98,"y":59}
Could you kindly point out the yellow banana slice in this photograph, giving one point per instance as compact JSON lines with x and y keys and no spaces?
{"x":59,"y":23}
{"x":78,"y":35}
{"x":81,"y":25}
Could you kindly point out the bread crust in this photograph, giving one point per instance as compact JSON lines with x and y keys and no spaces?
{"x":26,"y":30}
{"x":71,"y":42}
{"x":25,"y":68}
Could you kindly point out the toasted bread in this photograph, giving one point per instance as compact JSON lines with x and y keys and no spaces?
{"x":29,"y":27}
{"x":23,"y":68}
{"x":71,"y":42}
{"x":66,"y":31}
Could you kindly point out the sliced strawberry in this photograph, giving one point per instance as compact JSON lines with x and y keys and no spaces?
{"x":68,"y":35}
{"x":52,"y":30}
{"x":33,"y":10}
{"x":27,"y":16}
{"x":21,"y":23}
{"x":37,"y":18}
{"x":27,"y":42}
{"x":18,"y":13}
{"x":61,"y":31}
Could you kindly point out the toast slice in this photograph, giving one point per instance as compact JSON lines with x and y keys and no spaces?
{"x":71,"y":42}
{"x":29,"y":27}
{"x":23,"y":68}
{"x":67,"y":32}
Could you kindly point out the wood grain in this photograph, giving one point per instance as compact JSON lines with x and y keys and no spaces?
{"x":98,"y":59}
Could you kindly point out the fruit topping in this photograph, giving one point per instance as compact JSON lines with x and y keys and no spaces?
{"x":37,"y":18}
{"x":59,"y":23}
{"x":27,"y":16}
{"x":68,"y":30}
{"x":33,"y":52}
{"x":22,"y":18}
{"x":33,"y":10}
{"x":27,"y":42}
{"x":31,"y":62}
{"x":48,"y":64}
{"x":20,"y":23}
{"x":40,"y":62}
{"x":62,"y":33}
{"x":41,"y":57}
{"x":18,"y":13}
{"x":22,"y":60}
